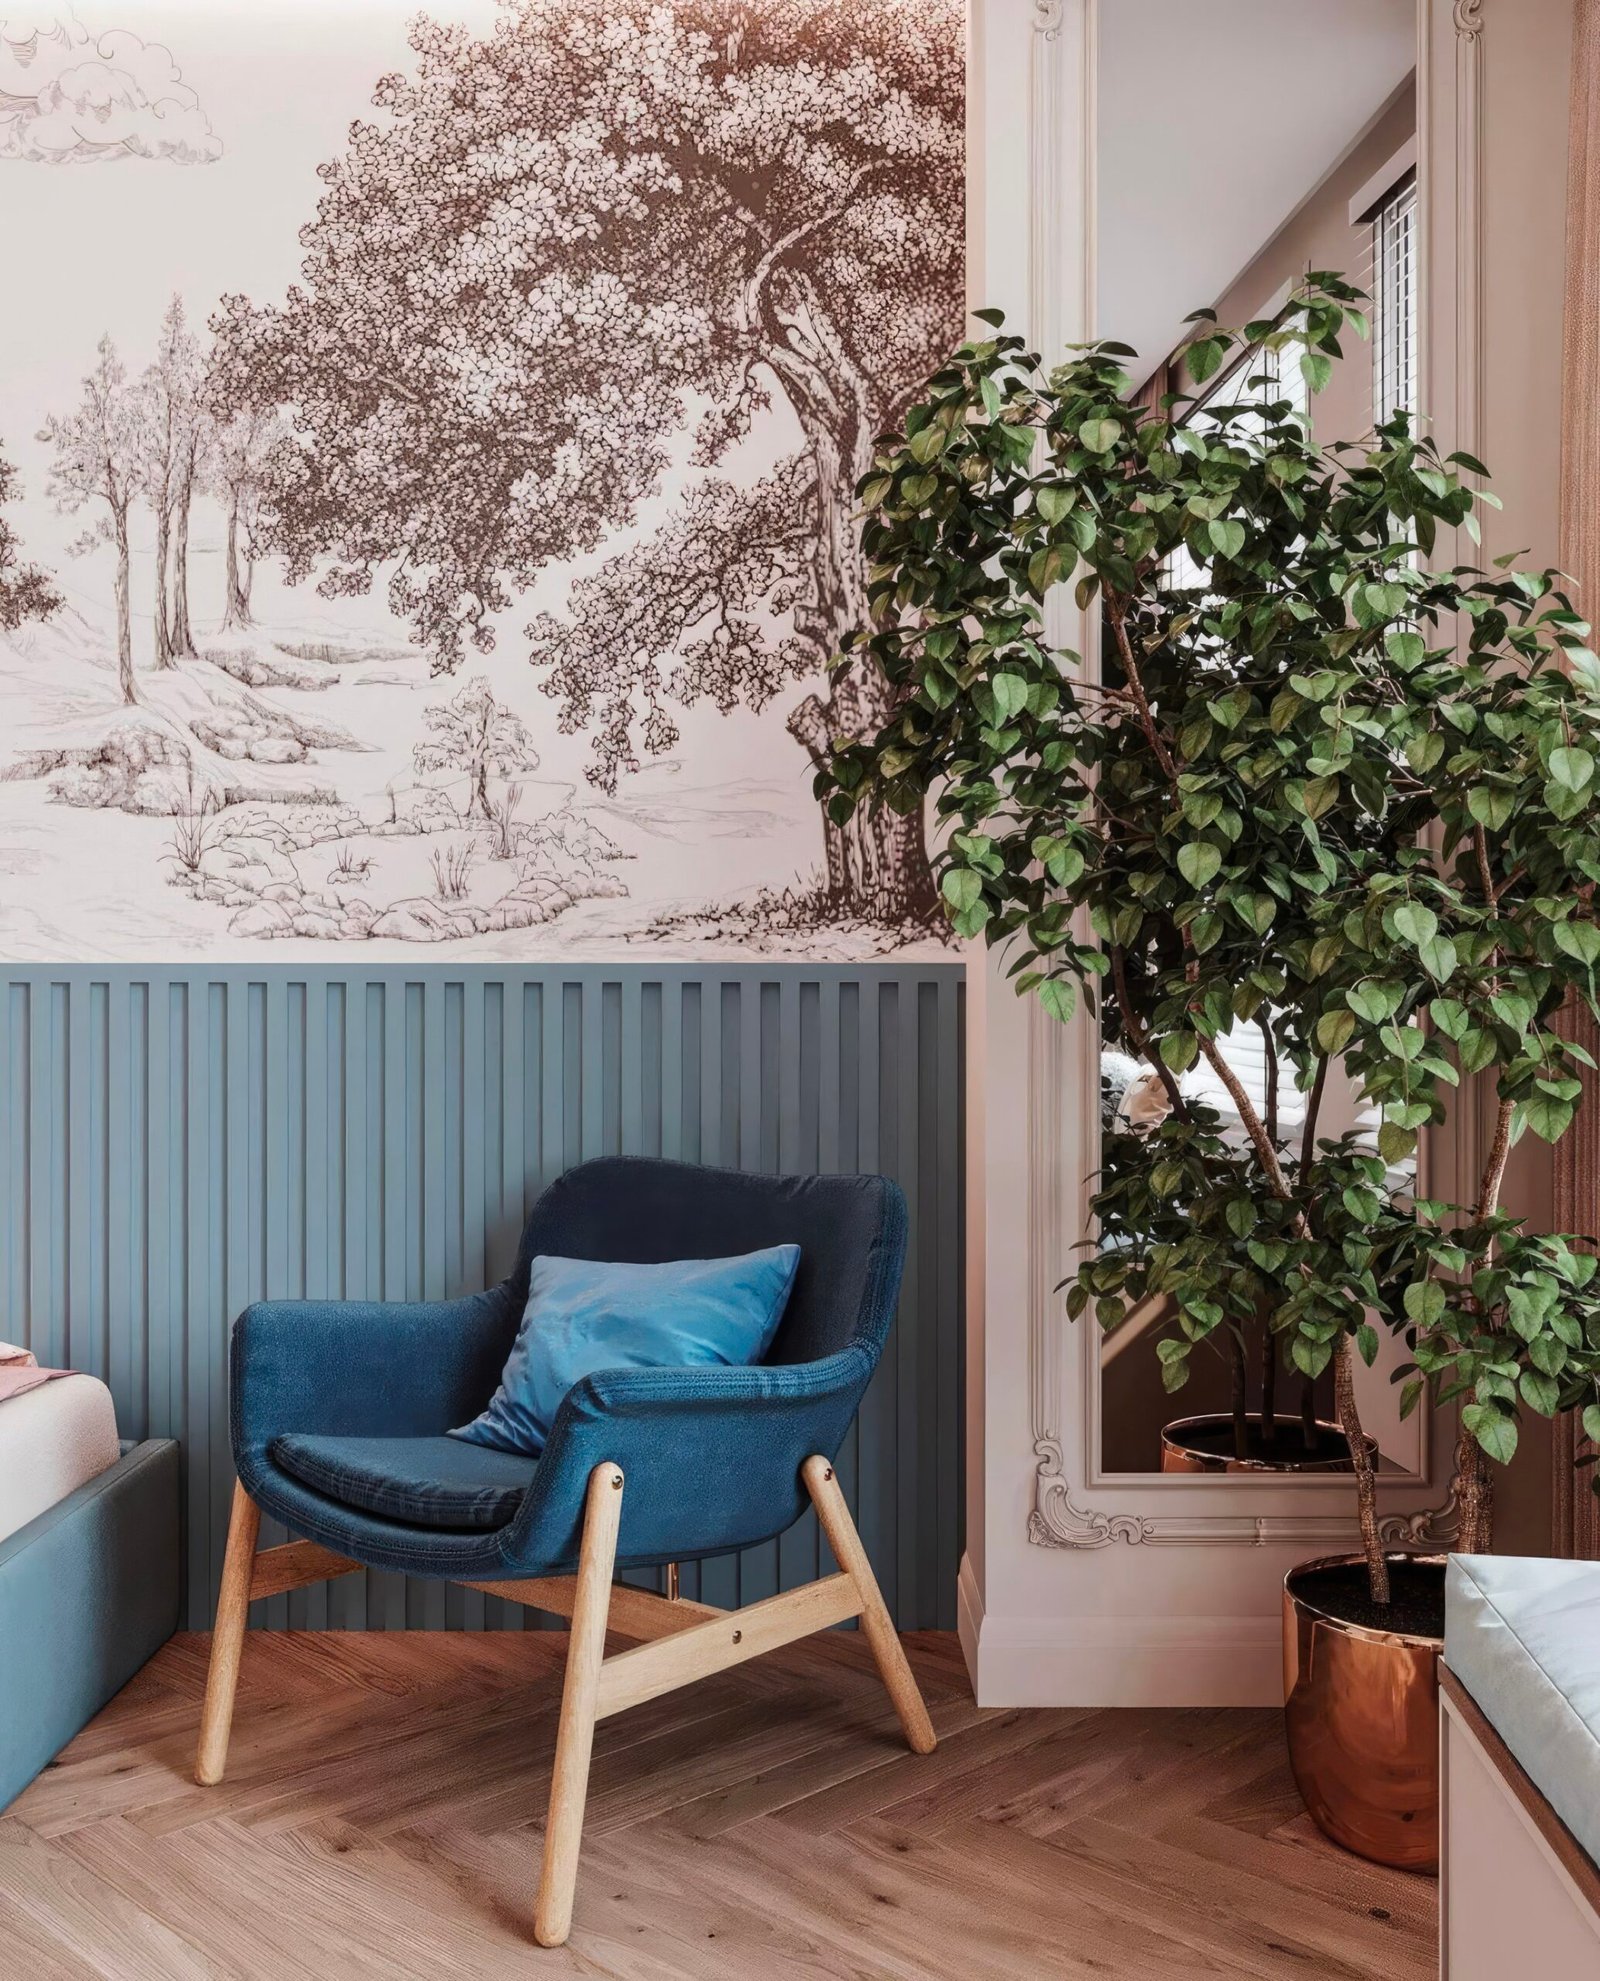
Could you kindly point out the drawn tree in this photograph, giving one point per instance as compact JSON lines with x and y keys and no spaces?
{"x":170,"y":431}
{"x":25,"y":590}
{"x":243,"y":445}
{"x":98,"y":460}
{"x":474,"y":733}
{"x":562,"y":245}
{"x":195,"y":443}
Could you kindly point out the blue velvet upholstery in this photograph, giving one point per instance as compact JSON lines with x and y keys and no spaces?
{"x":711,"y":1456}
{"x":422,"y":1482}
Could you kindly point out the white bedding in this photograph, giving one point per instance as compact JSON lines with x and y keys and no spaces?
{"x":53,"y":1440}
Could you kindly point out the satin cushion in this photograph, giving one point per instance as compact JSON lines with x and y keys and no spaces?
{"x":588,"y":1315}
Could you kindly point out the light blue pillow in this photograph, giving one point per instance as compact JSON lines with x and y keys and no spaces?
{"x":588,"y":1314}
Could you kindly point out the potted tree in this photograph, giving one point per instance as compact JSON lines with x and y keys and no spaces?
{"x":1321,"y":787}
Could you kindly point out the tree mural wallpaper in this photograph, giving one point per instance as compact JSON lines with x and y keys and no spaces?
{"x":440,"y":459}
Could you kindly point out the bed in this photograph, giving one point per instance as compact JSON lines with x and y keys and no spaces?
{"x":88,"y":1564}
{"x":53,"y":1439}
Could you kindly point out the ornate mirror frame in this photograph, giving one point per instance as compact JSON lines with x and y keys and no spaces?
{"x":1072,"y":1503}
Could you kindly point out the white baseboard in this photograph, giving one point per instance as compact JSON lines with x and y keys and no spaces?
{"x":1117,"y":1660}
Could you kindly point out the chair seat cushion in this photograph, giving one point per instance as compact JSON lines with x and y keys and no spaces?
{"x":420,"y":1482}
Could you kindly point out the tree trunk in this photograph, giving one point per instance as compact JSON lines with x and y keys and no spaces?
{"x":237,"y":611}
{"x":479,"y":805}
{"x":124,"y":612}
{"x":182,"y":636}
{"x":1241,"y":1396}
{"x":891,"y":877}
{"x":1344,"y":1389}
{"x":163,"y":629}
{"x":1474,"y":1496}
{"x":1269,"y":1384}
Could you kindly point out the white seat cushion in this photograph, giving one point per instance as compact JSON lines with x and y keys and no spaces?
{"x":1523,"y":1636}
{"x":53,"y":1440}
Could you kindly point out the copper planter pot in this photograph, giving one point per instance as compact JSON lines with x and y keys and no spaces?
{"x":1361,"y":1709}
{"x":1177,"y":1455}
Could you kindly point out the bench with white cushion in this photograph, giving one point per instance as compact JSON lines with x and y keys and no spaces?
{"x":1520,"y":1759}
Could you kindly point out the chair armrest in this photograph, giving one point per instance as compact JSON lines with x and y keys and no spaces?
{"x":711,"y":1456}
{"x":366,"y":1368}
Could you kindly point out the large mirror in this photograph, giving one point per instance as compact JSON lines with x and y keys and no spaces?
{"x":1239,"y":145}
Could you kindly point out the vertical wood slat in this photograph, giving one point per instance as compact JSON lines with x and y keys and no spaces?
{"x":177,"y":1142}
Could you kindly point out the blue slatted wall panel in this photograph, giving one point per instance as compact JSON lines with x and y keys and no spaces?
{"x":175,"y":1143}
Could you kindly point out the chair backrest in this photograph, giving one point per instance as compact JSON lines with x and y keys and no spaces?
{"x":851,"y":1231}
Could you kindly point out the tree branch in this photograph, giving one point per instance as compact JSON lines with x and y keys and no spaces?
{"x":1253,"y":1125}
{"x":1141,"y":701}
{"x":1308,"y":1140}
{"x":1495,"y":1168}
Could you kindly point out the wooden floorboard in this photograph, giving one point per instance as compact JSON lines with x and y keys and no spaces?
{"x":384,"y":1806}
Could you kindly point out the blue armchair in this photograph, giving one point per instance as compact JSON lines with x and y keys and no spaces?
{"x":339,"y":1418}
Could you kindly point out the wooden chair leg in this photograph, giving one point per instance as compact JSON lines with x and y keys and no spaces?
{"x":569,"y":1784}
{"x":227,"y":1639}
{"x":875,"y":1619}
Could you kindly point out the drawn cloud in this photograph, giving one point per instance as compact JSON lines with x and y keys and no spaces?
{"x":68,"y":96}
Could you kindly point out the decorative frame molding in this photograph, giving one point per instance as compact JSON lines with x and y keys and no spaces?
{"x":1063,"y":1084}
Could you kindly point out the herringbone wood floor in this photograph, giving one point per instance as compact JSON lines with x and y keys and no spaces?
{"x":385,"y":1793}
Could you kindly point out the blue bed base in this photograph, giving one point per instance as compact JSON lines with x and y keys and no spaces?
{"x":88,"y":1593}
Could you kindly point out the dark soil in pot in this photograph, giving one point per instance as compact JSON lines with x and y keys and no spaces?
{"x":1340,"y":1590}
{"x":1213,"y":1437}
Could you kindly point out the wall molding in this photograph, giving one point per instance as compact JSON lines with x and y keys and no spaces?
{"x":178,"y":1142}
{"x":1176,"y":1660}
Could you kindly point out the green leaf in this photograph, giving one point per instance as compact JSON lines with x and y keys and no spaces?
{"x":1548,"y":1116}
{"x":1316,"y":369}
{"x":1310,"y":1357}
{"x":1203,"y":357}
{"x":1053,"y":502}
{"x":1373,"y":1000}
{"x":1317,"y":794}
{"x":1591,"y":1422}
{"x":1179,"y":1051}
{"x":1439,"y":959}
{"x":1227,"y":539}
{"x":1424,"y":1302}
{"x":1367,"y":1343}
{"x":1058,"y":997}
{"x":961,"y":887}
{"x":1198,"y":862}
{"x":1415,"y":923}
{"x":1010,"y":693}
{"x":1579,"y":939}
{"x":1490,"y":806}
{"x":1494,"y":1429}
{"x":1540,"y":1392}
{"x":1334,"y":1030}
{"x":1571,"y":767}
{"x":1100,"y":436}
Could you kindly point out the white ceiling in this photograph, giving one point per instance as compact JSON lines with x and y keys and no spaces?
{"x":1216,"y":119}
